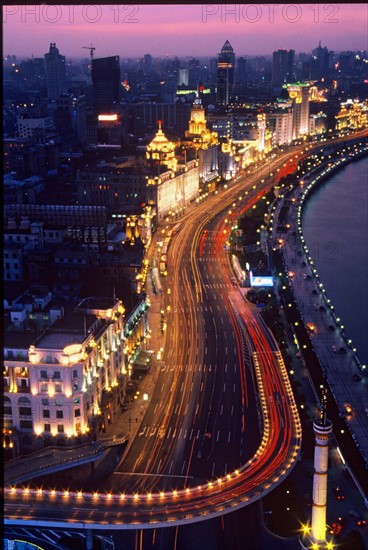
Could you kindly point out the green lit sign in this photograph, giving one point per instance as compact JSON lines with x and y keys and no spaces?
{"x":186,"y":92}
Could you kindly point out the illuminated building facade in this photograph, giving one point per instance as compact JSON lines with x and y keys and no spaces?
{"x":299,"y":93}
{"x":160,"y":153}
{"x":225,"y":73}
{"x":170,"y":186}
{"x":70,"y":381}
{"x":282,"y":120}
{"x":205,"y":142}
{"x":353,"y":114}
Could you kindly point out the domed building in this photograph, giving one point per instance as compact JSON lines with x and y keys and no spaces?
{"x":160,"y":152}
{"x":171,"y":185}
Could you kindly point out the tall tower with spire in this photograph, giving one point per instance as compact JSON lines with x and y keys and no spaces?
{"x":225,"y":73}
{"x":322,"y":428}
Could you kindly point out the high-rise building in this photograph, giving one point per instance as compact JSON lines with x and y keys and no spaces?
{"x":320,"y":62}
{"x":106,"y":84}
{"x":193,"y":72}
{"x":71,"y":117}
{"x":283,"y":66}
{"x":299,"y":93}
{"x":55,"y":73}
{"x":225,"y":73}
{"x":241,"y":70}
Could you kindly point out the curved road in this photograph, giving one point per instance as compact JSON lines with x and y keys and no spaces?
{"x":197,"y":455}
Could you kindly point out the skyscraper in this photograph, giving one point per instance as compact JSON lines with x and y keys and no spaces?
{"x":242,"y":70}
{"x":319,"y":62}
{"x":299,"y":93}
{"x":106,"y":84}
{"x":283,"y":66}
{"x":55,"y":73}
{"x":225,"y":73}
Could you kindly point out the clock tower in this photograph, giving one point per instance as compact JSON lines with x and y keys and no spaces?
{"x":197,"y":123}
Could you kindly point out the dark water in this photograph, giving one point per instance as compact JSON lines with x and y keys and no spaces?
{"x":335,"y":227}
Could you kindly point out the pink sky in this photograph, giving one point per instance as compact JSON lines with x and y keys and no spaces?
{"x":183,"y":30}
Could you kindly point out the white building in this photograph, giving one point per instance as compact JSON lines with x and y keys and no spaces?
{"x":68,"y":383}
{"x":35,"y":129}
{"x":175,"y":185}
{"x":299,"y":93}
{"x":283,"y":126}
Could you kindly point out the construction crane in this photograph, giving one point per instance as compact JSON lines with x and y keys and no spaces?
{"x":91,"y":50}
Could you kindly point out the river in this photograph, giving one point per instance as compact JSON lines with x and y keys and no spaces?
{"x":335,"y":228}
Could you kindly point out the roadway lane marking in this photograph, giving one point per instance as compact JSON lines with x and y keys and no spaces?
{"x":234,"y":368}
{"x":186,"y":409}
{"x":232,"y":410}
{"x":155,"y":409}
{"x":181,"y":429}
{"x":228,"y":439}
{"x":185,"y":434}
{"x":222,"y":408}
{"x":218,"y":435}
{"x":191,"y":433}
{"x":197,"y":407}
{"x":205,"y":351}
{"x":224,"y":388}
{"x":226,"y":350}
{"x":226,"y":367}
{"x":201,"y":388}
{"x":182,"y":469}
{"x":213,"y":470}
{"x":222,"y":321}
{"x":168,"y":433}
{"x":234,"y":386}
{"x":176,"y":408}
{"x":174,"y":434}
{"x":197,"y":436}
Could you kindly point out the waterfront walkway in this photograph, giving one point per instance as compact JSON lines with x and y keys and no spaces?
{"x":337,"y":359}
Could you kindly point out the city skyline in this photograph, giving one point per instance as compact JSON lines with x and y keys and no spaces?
{"x":138,"y":29}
